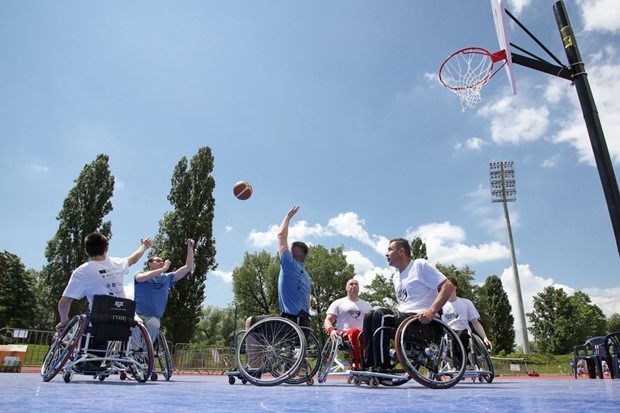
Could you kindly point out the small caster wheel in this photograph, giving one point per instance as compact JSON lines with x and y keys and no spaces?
{"x":231,"y":380}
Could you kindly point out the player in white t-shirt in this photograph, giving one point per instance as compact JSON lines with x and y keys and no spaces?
{"x":458,"y":313}
{"x":101,"y":275}
{"x":348,"y":314}
{"x":420,"y":289}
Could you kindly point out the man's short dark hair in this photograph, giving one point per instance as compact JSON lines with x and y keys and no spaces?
{"x":402,"y":243}
{"x":302,"y":246}
{"x":95,"y":244}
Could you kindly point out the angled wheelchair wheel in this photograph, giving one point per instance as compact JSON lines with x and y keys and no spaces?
{"x":311,"y":361}
{"x":482,"y":359}
{"x":271,"y":351}
{"x":141,"y":353}
{"x":63,"y":346}
{"x":163,"y":359}
{"x":431,"y":354}
{"x":328,"y":355}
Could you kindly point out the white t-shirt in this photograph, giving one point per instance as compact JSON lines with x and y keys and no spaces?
{"x":416,"y":287}
{"x":349,"y":314}
{"x":458,"y":313}
{"x":98,"y":278}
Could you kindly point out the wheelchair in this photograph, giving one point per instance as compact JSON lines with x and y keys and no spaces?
{"x":107,"y":341}
{"x":431,"y":354}
{"x":162,"y":358}
{"x":276,"y":350}
{"x":479,"y":364}
{"x":331,"y":365}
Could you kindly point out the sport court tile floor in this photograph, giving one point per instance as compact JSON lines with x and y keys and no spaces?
{"x":26,"y":392}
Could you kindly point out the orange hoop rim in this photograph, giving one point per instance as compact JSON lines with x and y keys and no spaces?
{"x":480,"y":81}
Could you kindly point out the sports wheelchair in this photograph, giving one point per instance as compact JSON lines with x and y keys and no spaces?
{"x":431,"y":354}
{"x":349,"y":341}
{"x":479,"y":365}
{"x":162,"y":358}
{"x":104,"y":342}
{"x":276,"y":350}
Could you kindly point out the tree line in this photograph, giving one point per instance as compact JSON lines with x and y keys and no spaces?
{"x":28,"y":297}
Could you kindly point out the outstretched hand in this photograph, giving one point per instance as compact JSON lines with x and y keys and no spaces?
{"x":293,"y":211}
{"x":190,"y":243}
{"x":146,"y":242}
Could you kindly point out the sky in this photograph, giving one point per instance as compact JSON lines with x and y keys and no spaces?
{"x":332,"y":105}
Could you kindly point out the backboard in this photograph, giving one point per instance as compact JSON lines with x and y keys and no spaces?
{"x":501,"y":26}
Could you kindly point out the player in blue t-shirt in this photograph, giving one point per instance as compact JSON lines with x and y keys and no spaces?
{"x":152,"y":287}
{"x":294,"y":282}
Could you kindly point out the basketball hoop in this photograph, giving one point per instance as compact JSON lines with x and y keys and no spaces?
{"x":465,"y":72}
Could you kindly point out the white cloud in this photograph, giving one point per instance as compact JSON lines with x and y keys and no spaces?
{"x":445,"y":244}
{"x":600,"y":14}
{"x":472,"y":144}
{"x":224,"y":275}
{"x":516,"y":6}
{"x":228,"y":228}
{"x":513,"y":122}
{"x":349,"y":224}
{"x":604,"y":77}
{"x":39,"y":168}
{"x":551,"y":162}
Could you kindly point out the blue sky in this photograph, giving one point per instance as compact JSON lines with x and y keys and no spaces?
{"x":332,"y":105}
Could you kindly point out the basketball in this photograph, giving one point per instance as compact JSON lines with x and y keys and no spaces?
{"x":242,"y":190}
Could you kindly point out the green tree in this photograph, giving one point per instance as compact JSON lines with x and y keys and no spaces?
{"x":496,"y":313}
{"x":418,"y":249}
{"x":613,"y":323}
{"x":215,"y":327}
{"x":191,"y":195}
{"x":464,"y":277}
{"x":255,"y":284}
{"x":83,"y":210}
{"x":380,"y":292}
{"x":588,"y":319}
{"x":17,"y":294}
{"x":551,"y":321}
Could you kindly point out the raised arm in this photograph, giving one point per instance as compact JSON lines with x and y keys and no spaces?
{"x":145,"y":244}
{"x":189,"y":262}
{"x":283,"y":231}
{"x":147,"y":275}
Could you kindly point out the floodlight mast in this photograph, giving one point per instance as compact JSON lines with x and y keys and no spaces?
{"x":503,"y":190}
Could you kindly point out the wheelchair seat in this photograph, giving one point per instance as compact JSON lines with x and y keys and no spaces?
{"x":112,"y":318}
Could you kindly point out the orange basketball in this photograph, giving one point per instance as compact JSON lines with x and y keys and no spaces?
{"x":242,"y":190}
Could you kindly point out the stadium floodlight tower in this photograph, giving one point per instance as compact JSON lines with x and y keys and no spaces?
{"x":503,"y":190}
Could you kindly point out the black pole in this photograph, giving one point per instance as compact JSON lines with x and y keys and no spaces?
{"x":590,"y":114}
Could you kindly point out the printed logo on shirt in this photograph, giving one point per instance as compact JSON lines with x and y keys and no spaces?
{"x":449,"y":317}
{"x":355,"y":313}
{"x":401,"y":296}
{"x":102,"y":271}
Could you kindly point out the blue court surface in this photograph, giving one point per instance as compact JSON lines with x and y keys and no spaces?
{"x":25,"y":392}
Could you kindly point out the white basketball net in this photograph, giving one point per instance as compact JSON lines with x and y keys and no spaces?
{"x":465,"y":72}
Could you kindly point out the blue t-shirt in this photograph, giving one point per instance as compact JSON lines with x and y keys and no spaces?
{"x":151,"y":296}
{"x":293,"y":285}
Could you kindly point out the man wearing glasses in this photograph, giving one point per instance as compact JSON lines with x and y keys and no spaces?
{"x":153,"y":285}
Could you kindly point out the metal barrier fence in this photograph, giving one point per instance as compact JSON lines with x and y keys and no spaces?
{"x":189,"y":358}
{"x":38,"y":342}
{"x":186,"y":357}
